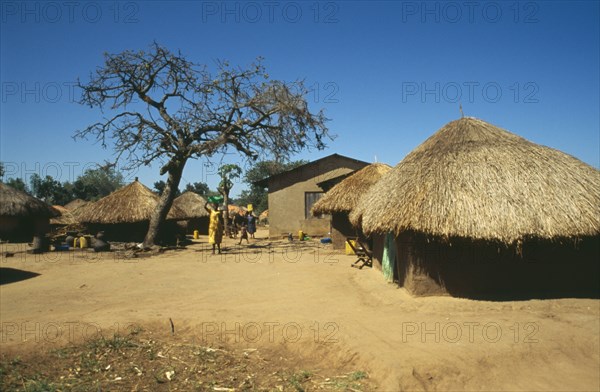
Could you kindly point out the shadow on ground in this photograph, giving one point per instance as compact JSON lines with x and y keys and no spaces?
{"x":12,"y":275}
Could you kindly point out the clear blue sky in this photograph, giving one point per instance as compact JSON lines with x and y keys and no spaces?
{"x":388,"y":74}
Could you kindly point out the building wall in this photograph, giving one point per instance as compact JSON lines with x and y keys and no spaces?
{"x":286,"y":198}
{"x":479,"y":270}
{"x":315,"y":227}
{"x":341,"y":228}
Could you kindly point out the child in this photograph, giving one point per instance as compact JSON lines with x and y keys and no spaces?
{"x":243,"y":234}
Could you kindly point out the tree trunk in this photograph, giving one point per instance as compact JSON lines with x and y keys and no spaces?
{"x":226,"y":212}
{"x":164,"y":204}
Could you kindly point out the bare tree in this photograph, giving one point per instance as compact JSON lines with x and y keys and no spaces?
{"x":163,"y":108}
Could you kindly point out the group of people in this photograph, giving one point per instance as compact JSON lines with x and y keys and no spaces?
{"x":244,"y":222}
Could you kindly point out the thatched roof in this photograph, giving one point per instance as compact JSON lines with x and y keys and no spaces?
{"x":76,"y":212}
{"x":192,"y":205}
{"x":77,"y":207}
{"x":19,"y":204}
{"x":344,"y":196}
{"x":233,"y":209}
{"x":472,"y":179}
{"x":132,"y":203}
{"x":263,"y":215}
{"x":75,"y":204}
{"x":65,"y":217}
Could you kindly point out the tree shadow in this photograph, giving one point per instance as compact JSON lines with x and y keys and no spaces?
{"x":236,"y":248}
{"x":12,"y":275}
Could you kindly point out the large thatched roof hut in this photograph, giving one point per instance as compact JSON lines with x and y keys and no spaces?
{"x":192,"y":206}
{"x":125,"y":213}
{"x":21,"y":205}
{"x":473,"y":193}
{"x":341,"y":199}
{"x":22,"y":216}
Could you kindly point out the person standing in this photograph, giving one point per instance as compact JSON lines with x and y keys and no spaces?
{"x":243,"y":233}
{"x":215,"y":227}
{"x":251,"y":227}
{"x":239,"y":220}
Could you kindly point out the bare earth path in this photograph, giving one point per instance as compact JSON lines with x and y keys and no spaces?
{"x":306,"y":298}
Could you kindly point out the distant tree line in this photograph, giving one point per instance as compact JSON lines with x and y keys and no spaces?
{"x":92,"y":185}
{"x":96,"y":183}
{"x":200,"y":188}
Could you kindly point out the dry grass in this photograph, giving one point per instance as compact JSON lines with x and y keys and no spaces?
{"x":132,"y":203}
{"x":472,"y":179}
{"x":19,"y":204}
{"x":145,"y":361}
{"x":344,"y":196}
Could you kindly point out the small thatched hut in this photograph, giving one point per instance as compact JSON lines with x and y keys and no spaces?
{"x":124,"y":215}
{"x":192,"y":206}
{"x":340,"y":200}
{"x":233,"y":209}
{"x":75,"y":204}
{"x":479,"y":211}
{"x":77,"y":207}
{"x":64,"y":218}
{"x":263,"y":218}
{"x":23,"y":216}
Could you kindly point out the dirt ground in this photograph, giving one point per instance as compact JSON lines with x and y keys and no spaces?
{"x":305,"y":299}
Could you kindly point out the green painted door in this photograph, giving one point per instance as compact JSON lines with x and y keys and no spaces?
{"x":388,"y":263}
